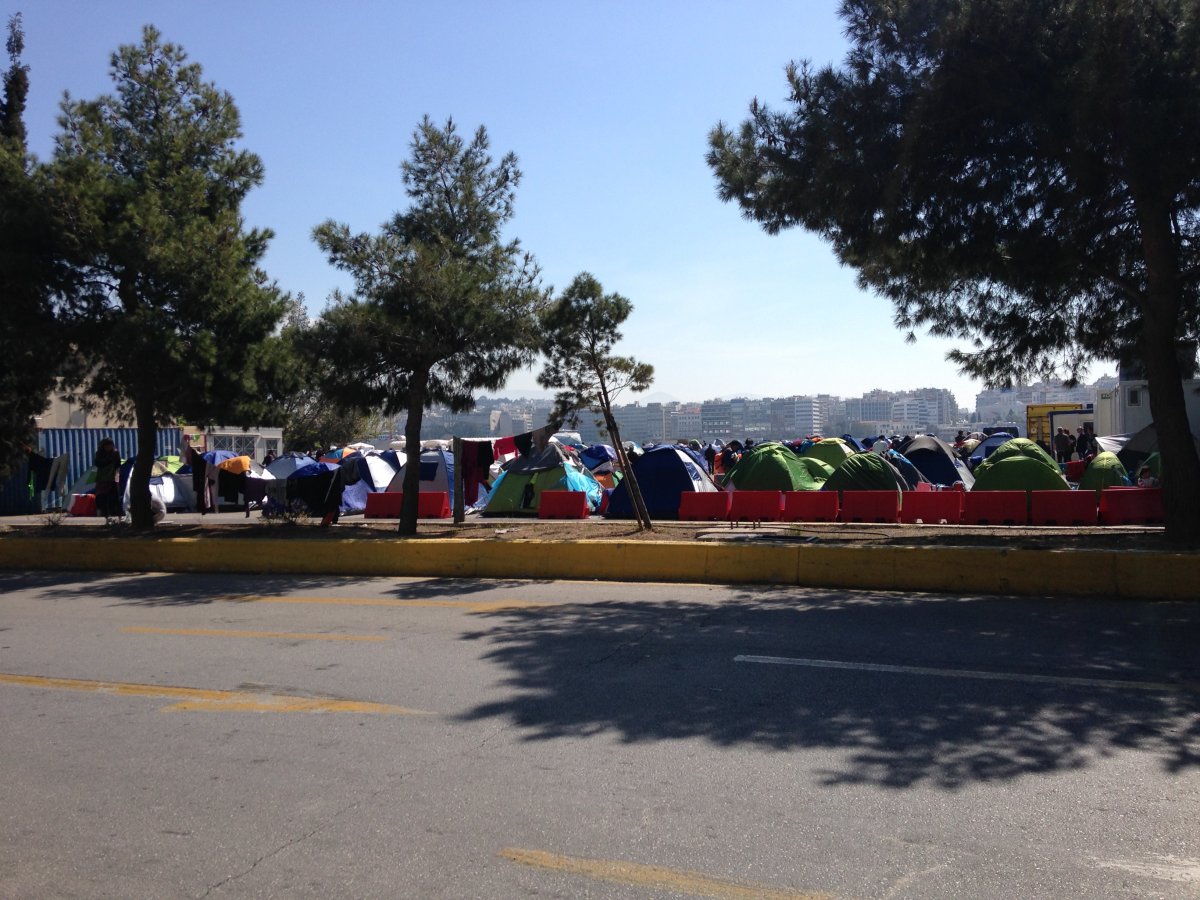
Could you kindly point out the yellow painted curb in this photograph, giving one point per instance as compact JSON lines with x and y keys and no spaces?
{"x":966,"y":571}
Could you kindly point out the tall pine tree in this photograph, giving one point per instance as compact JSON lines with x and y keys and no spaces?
{"x":443,"y":304}
{"x":175,"y":315}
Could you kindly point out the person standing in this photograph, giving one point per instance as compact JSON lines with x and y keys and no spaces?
{"x":1083,"y":444}
{"x":108,"y":466}
{"x":1063,"y":445}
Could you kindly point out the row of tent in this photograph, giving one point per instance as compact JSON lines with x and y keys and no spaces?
{"x":342,"y":480}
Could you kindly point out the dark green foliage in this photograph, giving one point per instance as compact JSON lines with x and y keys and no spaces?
{"x":31,"y":341}
{"x":1021,"y":175}
{"x":579,"y":333}
{"x":443,"y":306}
{"x":172,"y":307}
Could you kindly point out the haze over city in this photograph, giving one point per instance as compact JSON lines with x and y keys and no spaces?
{"x":608,"y":109}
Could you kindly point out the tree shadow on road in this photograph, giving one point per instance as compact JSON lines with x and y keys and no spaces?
{"x":667,"y":670}
{"x":189,"y":589}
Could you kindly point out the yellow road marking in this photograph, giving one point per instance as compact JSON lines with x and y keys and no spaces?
{"x":656,"y":877}
{"x":210,"y":700}
{"x":473,"y":606}
{"x":223,"y":632}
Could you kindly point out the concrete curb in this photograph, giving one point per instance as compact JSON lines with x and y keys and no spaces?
{"x":967,"y":571}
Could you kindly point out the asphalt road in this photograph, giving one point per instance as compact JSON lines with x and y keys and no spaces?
{"x":224,"y":736}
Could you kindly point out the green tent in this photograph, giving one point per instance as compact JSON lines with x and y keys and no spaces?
{"x":865,"y":472}
{"x":1105,"y":470}
{"x":831,"y":451}
{"x":518,"y":490}
{"x":1017,"y":447}
{"x":771,"y":466}
{"x":1019,"y":473}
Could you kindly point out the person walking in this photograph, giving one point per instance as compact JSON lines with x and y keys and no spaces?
{"x":108,"y":466}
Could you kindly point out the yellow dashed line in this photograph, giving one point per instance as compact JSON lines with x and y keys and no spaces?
{"x":656,"y":877}
{"x":287,"y":635}
{"x":199,"y":699}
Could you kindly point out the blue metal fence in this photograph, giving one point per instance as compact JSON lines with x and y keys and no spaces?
{"x":80,"y":444}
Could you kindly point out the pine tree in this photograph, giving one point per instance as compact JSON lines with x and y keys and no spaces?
{"x":443,"y":305}
{"x":174,"y":313}
{"x":1022,"y":175}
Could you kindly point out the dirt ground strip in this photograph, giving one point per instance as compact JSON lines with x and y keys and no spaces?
{"x":597,"y":529}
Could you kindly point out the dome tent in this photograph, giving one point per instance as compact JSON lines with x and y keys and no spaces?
{"x":865,"y":472}
{"x":1105,"y":470}
{"x":937,"y":461}
{"x":437,"y":473}
{"x":664,"y":474}
{"x":519,"y":488}
{"x":1019,"y":473}
{"x":1018,"y":447}
{"x":830,"y":450}
{"x":772,"y":466}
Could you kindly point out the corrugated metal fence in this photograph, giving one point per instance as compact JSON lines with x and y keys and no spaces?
{"x":80,"y":445}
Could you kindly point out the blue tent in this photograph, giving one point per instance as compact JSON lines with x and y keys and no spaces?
{"x":985,"y":448}
{"x":597,"y":455}
{"x":937,"y":461}
{"x":663,"y":475}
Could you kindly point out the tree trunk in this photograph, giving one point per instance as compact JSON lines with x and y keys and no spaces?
{"x":412,"y":454}
{"x":1160,"y":352}
{"x":635,"y":492}
{"x":140,"y":514}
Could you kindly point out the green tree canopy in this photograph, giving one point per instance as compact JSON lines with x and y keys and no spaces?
{"x":173,"y":312}
{"x":579,"y":332}
{"x":443,"y":305}
{"x":1021,"y":175}
{"x":31,"y":274}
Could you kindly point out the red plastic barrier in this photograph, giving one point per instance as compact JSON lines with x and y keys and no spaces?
{"x":755,"y":506}
{"x":704,"y":506}
{"x":387,"y":504}
{"x":82,"y":505}
{"x":810,"y":506}
{"x":995,"y":508}
{"x":923,"y":486}
{"x":563,"y":505}
{"x":870,"y":506}
{"x":433,"y":505}
{"x":383,"y":505}
{"x":1131,"y":506}
{"x":932,"y":507}
{"x":1062,"y":507}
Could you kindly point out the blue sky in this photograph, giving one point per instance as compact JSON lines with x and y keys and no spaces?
{"x":608,"y":107}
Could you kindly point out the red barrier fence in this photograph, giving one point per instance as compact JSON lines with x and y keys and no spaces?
{"x":932,"y":507}
{"x":995,"y":508}
{"x":870,"y":506}
{"x":756,"y":506}
{"x":1131,"y":506}
{"x":387,"y":504}
{"x":706,"y":506}
{"x":810,"y":506}
{"x":563,"y":505}
{"x":1062,"y":507}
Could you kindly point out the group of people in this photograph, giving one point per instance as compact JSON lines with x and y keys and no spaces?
{"x":1082,"y":444}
